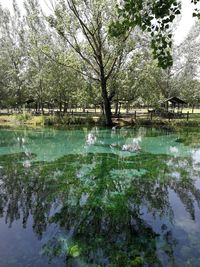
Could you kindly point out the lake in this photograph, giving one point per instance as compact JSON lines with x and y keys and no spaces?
{"x":82,"y":197}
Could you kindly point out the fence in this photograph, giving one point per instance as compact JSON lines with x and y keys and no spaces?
{"x":136,"y":114}
{"x":150,"y":115}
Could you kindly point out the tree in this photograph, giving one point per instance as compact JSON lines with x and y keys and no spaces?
{"x":37,"y":62}
{"x":12,"y":55}
{"x":67,"y":88}
{"x":186,"y":61}
{"x":84,"y":26}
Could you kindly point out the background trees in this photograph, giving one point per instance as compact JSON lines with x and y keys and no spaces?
{"x":88,"y":53}
{"x":12,"y":56}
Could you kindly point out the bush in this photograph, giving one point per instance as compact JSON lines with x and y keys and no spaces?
{"x":68,"y":120}
{"x":23,"y":117}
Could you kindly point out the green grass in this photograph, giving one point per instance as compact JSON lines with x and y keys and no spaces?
{"x":88,"y":119}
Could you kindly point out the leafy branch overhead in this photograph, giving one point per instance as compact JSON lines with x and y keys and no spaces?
{"x":155,"y":17}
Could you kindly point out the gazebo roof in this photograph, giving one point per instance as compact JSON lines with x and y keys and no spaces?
{"x":175,"y":100}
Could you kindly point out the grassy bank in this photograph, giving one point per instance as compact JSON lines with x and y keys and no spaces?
{"x":29,"y":120}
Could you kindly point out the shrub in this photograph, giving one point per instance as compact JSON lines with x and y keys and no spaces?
{"x":25,"y":116}
{"x":68,"y":120}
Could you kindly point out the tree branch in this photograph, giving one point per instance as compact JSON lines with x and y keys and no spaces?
{"x":68,"y":66}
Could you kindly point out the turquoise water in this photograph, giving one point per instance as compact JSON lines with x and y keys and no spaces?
{"x":79,"y":197}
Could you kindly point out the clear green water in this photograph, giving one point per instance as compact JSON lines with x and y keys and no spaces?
{"x":75,"y":198}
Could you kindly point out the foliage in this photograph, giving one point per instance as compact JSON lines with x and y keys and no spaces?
{"x":23,"y":117}
{"x":69,"y":120}
{"x":154,"y":17}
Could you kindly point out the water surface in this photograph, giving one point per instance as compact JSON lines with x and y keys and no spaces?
{"x":76,"y":198}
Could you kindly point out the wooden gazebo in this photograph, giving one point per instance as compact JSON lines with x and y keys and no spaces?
{"x":173,"y":103}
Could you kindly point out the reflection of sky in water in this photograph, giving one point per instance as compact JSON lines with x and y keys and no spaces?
{"x":196,"y":159}
{"x":196,"y":156}
{"x":179,"y":226}
{"x":27,"y":244}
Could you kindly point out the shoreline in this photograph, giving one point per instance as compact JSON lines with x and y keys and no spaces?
{"x":68,"y":120}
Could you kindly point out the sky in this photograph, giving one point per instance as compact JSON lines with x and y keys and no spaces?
{"x":185,"y":25}
{"x":186,"y":21}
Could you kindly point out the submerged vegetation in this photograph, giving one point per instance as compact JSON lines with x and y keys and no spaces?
{"x":112,"y":208}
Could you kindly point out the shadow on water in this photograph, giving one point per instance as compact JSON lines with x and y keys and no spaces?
{"x":103,"y":209}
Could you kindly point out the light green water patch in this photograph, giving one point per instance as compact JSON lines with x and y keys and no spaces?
{"x":127,"y":173}
{"x":165,"y":145}
{"x":50,"y":144}
{"x":124,"y":178}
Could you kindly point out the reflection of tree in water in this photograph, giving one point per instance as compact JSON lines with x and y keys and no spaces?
{"x":98,"y":211}
{"x":184,"y":184}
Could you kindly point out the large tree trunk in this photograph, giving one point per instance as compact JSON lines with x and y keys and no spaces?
{"x":106,"y":104}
